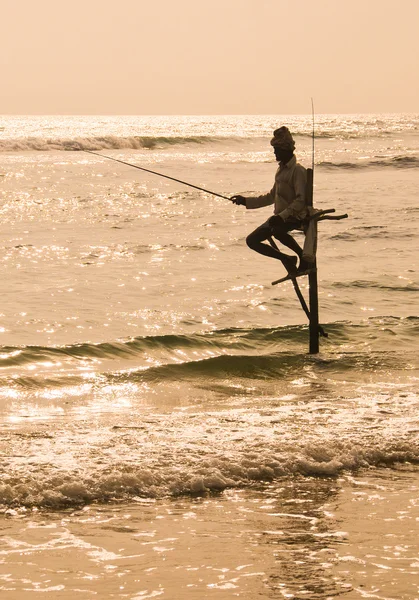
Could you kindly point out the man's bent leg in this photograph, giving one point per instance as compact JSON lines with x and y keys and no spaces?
{"x":281,"y":231}
{"x":255,"y":241}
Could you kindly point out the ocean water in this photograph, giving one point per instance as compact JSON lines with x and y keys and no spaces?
{"x":164,"y":431}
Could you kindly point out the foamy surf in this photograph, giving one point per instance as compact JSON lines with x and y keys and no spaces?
{"x":189,"y":453}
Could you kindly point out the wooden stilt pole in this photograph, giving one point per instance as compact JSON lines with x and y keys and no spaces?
{"x":312,"y":283}
{"x":314,"y":313}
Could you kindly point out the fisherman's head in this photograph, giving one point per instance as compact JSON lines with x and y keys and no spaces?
{"x":283,"y":144}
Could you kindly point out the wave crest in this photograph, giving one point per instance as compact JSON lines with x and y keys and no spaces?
{"x":205,"y":358}
{"x":107,"y":142}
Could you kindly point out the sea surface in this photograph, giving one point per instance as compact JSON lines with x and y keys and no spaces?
{"x":164,"y":431}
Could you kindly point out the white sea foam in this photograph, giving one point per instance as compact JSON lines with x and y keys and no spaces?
{"x":196,"y":453}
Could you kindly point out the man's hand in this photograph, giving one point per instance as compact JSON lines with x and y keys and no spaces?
{"x":238,"y":200}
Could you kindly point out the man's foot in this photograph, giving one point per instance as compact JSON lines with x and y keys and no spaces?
{"x":290,"y":263}
{"x":304,"y":266}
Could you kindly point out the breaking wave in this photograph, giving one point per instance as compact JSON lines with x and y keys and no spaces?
{"x":254,"y":354}
{"x":195,"y":471}
{"x":155,"y":142}
{"x":107,"y":142}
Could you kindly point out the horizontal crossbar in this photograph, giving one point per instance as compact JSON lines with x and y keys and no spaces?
{"x":321,"y":215}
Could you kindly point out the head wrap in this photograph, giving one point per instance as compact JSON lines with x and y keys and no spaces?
{"x":283,"y":139}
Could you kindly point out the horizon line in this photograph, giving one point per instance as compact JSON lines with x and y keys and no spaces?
{"x":118,"y":114}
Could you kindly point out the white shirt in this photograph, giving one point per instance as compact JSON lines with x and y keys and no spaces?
{"x":288,"y":193}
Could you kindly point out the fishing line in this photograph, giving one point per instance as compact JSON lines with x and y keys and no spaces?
{"x":312,"y":147}
{"x":159,"y":174}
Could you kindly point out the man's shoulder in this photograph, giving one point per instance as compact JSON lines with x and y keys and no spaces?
{"x":293,"y":165}
{"x":299,"y":167}
{"x":299,"y":172}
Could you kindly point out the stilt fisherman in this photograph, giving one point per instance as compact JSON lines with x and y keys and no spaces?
{"x":288,"y":196}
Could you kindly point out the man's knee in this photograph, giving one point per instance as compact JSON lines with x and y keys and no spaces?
{"x":257,"y":236}
{"x":251,"y":241}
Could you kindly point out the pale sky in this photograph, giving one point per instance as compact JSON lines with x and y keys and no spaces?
{"x":169,"y":57}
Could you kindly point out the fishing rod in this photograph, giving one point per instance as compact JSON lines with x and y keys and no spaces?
{"x":159,"y":174}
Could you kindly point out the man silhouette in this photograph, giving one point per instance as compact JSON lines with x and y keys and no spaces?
{"x":290,"y":205}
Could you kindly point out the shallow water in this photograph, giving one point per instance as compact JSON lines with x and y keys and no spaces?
{"x":304,"y":538}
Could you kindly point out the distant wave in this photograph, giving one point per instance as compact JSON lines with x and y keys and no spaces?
{"x":339,"y":134}
{"x":377,"y":232}
{"x":138,"y":142}
{"x":409,"y":287}
{"x":107,"y":142}
{"x":396,"y":162}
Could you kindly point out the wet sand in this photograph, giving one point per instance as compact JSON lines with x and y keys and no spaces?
{"x":312,"y":538}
